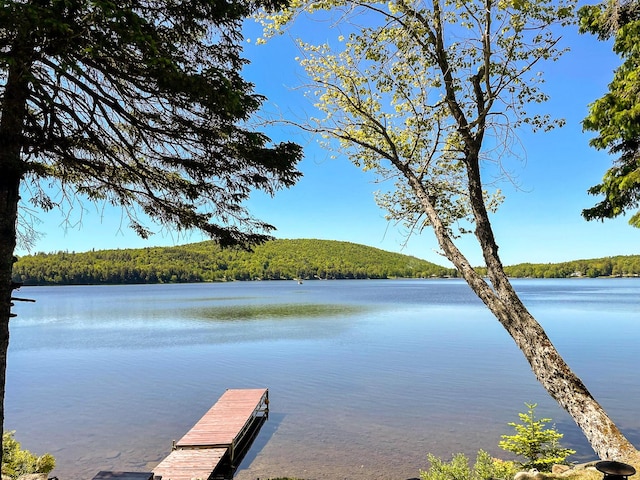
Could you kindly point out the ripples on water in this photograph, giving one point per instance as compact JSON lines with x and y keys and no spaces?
{"x":365,"y":377}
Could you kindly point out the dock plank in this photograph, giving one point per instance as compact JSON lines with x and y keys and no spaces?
{"x":190,"y":464}
{"x":225,"y":420}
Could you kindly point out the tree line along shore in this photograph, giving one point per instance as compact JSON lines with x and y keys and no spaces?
{"x":302,"y":259}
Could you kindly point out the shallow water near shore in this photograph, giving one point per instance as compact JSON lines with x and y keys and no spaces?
{"x":365,"y":377}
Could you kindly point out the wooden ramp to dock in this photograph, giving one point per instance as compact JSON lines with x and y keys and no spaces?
{"x":216,"y":436}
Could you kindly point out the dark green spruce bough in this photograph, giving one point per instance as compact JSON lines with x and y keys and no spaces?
{"x":131,"y":103}
{"x":616,"y":116}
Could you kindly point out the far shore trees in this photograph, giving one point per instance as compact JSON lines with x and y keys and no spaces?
{"x":431,"y":94}
{"x":131,"y":103}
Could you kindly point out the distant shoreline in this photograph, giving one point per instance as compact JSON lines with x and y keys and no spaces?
{"x":282,"y":280}
{"x":299,"y":260}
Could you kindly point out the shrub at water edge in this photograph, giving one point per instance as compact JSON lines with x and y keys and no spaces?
{"x":485,"y":468}
{"x":16,"y":462}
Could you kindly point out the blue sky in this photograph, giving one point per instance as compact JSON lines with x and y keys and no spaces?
{"x":539,"y":221}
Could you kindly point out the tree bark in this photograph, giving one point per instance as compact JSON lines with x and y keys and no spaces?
{"x":548,"y":366}
{"x":558,"y":379}
{"x":14,"y":105}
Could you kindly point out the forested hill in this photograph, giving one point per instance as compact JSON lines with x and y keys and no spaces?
{"x":205,"y":262}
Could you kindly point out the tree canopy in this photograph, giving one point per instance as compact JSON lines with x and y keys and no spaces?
{"x":616,"y":116}
{"x":138,"y":105}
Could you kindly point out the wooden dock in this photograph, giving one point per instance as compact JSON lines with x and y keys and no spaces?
{"x":217,"y":436}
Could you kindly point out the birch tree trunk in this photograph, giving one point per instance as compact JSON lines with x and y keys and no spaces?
{"x":548,"y":366}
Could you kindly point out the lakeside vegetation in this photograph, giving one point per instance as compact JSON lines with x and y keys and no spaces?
{"x":618,"y":266}
{"x":302,"y":259}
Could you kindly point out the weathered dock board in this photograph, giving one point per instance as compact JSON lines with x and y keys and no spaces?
{"x":215,"y":436}
{"x":190,"y":464}
{"x":227,"y":420}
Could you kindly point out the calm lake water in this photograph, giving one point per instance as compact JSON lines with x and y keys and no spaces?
{"x":365,"y":377}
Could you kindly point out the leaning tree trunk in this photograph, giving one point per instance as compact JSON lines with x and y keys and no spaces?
{"x":13,"y":110}
{"x":558,"y":379}
{"x":556,"y":376}
{"x":548,"y":366}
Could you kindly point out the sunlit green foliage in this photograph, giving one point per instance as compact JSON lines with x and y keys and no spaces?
{"x":16,"y":462}
{"x":539,"y":445}
{"x":410,"y":90}
{"x":458,"y":468}
{"x":204,"y":262}
{"x":616,"y":116}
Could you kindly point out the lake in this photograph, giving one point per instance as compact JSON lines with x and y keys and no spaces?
{"x":365,"y":377}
